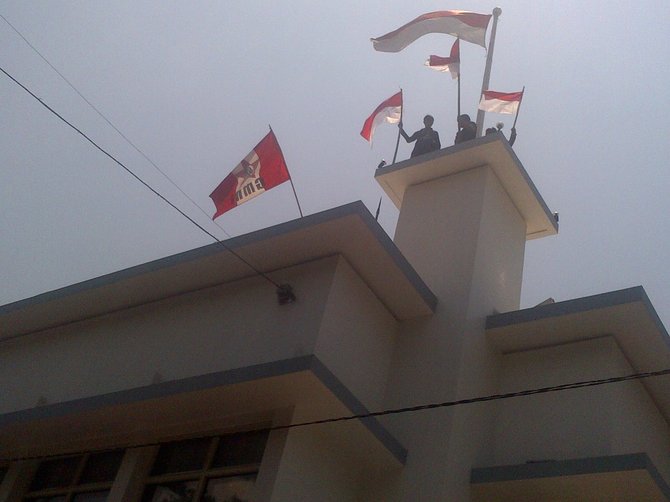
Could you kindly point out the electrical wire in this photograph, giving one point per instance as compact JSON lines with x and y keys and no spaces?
{"x":146,"y":185}
{"x":398,"y":411}
{"x":109,"y":122}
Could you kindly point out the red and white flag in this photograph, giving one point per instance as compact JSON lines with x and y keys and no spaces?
{"x":389,"y":111}
{"x":264,"y":168}
{"x":501,"y":102}
{"x":451,"y":64}
{"x":468,"y":26}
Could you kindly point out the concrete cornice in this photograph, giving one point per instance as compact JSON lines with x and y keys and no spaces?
{"x":348,"y":230}
{"x":492,"y":151}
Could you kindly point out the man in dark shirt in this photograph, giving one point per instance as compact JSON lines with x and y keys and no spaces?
{"x":467,"y":129}
{"x":427,"y":140}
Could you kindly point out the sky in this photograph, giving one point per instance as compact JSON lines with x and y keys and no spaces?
{"x":194,"y":85}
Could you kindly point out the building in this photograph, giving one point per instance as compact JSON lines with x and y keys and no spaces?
{"x":183,"y":378}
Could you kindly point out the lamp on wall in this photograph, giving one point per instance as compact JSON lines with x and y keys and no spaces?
{"x":285,"y":294}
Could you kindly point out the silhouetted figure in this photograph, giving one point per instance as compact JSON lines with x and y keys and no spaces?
{"x":467,"y":129}
{"x":493,"y":130}
{"x":427,"y":140}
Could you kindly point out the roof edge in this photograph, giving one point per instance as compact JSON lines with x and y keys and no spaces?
{"x":575,"y":306}
{"x":571,"y":467}
{"x":356,"y":208}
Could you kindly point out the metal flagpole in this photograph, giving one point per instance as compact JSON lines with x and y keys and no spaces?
{"x":518,"y":107}
{"x":397,"y":142}
{"x":459,"y":77}
{"x":290,"y":178}
{"x":487,"y":71}
{"x":379,"y":206}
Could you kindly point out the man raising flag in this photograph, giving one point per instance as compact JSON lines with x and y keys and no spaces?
{"x":389,"y":111}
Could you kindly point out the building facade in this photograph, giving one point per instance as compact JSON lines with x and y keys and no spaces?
{"x":186,"y":378}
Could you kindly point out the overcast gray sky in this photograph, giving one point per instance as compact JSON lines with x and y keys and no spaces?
{"x":195,"y":85}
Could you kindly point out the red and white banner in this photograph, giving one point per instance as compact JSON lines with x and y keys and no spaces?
{"x":264,"y":168}
{"x":468,"y":26}
{"x":501,"y":102}
{"x":451,"y":64}
{"x":389,"y":111}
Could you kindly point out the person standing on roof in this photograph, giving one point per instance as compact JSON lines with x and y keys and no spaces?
{"x":427,"y":140}
{"x":467,"y":129}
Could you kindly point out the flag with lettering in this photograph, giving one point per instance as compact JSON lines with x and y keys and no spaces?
{"x":501,"y":102}
{"x":468,"y":26}
{"x":264,"y":168}
{"x":452,"y":64}
{"x":389,"y":111}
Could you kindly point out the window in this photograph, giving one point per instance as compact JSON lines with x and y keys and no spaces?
{"x":218,"y":469}
{"x":81,"y":478}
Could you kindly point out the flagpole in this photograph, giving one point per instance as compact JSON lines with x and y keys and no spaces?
{"x":487,"y":70}
{"x":290,"y":178}
{"x":518,"y":107}
{"x":397,"y":142}
{"x":459,"y":78}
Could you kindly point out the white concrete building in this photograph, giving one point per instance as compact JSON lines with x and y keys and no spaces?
{"x":178,"y":379}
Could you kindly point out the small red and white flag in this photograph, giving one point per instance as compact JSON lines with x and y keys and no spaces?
{"x":501,"y":102}
{"x":264,"y":168}
{"x":451,"y":64}
{"x":468,"y":26}
{"x":389,"y":111}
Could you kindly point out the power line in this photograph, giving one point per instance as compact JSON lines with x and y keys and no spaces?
{"x":399,"y":411}
{"x":109,"y":122}
{"x":149,"y":187}
{"x":493,"y":397}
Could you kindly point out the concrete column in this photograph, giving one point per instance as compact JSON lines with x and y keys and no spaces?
{"x":17,"y":480}
{"x":129,"y":482}
{"x":465,"y":237}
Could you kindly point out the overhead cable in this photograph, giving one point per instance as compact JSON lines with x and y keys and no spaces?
{"x":399,"y":411}
{"x":146,"y":185}
{"x":110,"y":123}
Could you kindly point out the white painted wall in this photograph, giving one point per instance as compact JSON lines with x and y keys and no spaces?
{"x":314,"y":469}
{"x":597,"y":421}
{"x":229,"y":326}
{"x":357,"y":337}
{"x":637,"y":424}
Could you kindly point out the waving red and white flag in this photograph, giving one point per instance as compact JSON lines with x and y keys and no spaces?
{"x":501,"y":102}
{"x":264,"y":168}
{"x":389,"y":111}
{"x":468,"y":26}
{"x":452,"y":64}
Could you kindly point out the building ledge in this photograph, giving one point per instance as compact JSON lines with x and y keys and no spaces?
{"x":616,"y":477}
{"x":491,"y":150}
{"x":136,"y":416}
{"x":349,"y":230}
{"x":626,"y":314}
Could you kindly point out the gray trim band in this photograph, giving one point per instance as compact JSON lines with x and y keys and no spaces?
{"x":211,"y":380}
{"x":353,"y":208}
{"x":575,"y":306}
{"x":572,"y":467}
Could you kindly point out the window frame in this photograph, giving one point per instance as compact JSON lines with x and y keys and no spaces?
{"x":75,"y":487}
